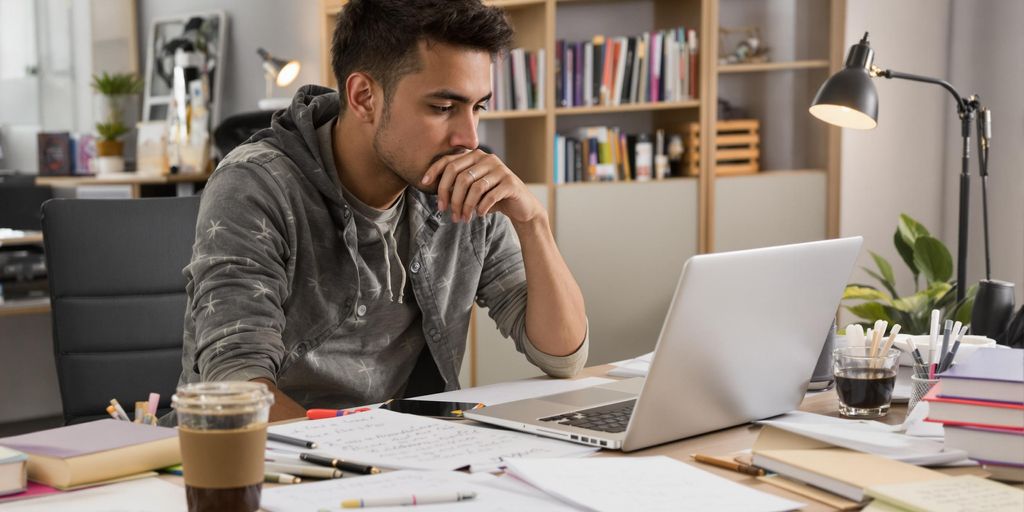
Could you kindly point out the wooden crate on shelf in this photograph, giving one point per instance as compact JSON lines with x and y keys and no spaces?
{"x":737,"y":147}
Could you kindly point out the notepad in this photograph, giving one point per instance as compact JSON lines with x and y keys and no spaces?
{"x":642,"y":483}
{"x":402,"y":441}
{"x":149,"y":494}
{"x":954,"y":494}
{"x":492,"y":493}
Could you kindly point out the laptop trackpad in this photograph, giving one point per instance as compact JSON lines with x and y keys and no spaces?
{"x":588,"y":396}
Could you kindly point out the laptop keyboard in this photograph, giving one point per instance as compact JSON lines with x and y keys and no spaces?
{"x":612,"y":418}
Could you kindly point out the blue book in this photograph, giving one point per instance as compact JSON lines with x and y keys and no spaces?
{"x":990,"y":374}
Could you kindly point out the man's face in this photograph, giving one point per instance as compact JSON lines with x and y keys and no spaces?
{"x":434,"y":112}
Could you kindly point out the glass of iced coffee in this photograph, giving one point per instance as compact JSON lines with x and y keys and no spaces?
{"x":222,"y":428}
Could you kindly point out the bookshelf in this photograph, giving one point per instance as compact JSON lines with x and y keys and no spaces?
{"x":626,"y":241}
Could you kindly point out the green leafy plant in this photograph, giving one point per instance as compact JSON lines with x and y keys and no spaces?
{"x":926,"y":257}
{"x":112,"y":130}
{"x":116,"y":84}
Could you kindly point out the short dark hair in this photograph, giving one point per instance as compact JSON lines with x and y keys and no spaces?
{"x":381,"y":37}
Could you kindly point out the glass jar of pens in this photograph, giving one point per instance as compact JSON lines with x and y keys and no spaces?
{"x":865,"y":371}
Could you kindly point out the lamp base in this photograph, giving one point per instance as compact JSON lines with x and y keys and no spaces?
{"x":274,"y":103}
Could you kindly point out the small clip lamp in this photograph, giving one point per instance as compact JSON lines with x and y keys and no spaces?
{"x":278,"y":71}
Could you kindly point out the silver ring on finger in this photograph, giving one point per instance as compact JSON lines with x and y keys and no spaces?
{"x":471,"y":176}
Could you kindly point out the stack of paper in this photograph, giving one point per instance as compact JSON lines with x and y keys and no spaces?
{"x":956,"y":494}
{"x":496,"y":494}
{"x":402,"y":441}
{"x":636,"y":367}
{"x":641,"y":483}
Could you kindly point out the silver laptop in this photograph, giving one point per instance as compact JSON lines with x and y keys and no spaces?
{"x":739,"y":343}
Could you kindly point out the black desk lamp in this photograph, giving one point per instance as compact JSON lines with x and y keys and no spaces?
{"x":849,"y":99}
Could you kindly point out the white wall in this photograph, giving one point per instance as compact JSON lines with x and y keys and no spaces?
{"x":986,"y":59}
{"x":287,"y":29}
{"x":899,"y":167}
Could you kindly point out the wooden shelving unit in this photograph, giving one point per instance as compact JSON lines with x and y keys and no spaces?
{"x":646,"y":230}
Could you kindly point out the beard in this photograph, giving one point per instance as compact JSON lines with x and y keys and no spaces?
{"x":409,"y":173}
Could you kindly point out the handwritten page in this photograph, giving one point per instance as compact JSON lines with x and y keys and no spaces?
{"x":955,"y":494}
{"x":642,"y":483}
{"x":502,"y":392}
{"x":492,"y":493}
{"x":147,"y":494}
{"x":403,"y":441}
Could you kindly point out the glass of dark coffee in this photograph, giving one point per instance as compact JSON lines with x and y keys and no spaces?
{"x":222,"y":430}
{"x":864,"y":381}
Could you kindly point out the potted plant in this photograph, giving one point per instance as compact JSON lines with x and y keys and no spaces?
{"x":116,"y":110}
{"x":926,"y":257}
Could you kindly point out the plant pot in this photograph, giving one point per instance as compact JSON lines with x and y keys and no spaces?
{"x":109,"y":148}
{"x":109,"y":164}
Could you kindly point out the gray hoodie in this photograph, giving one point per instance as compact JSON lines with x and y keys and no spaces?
{"x":289,"y":284}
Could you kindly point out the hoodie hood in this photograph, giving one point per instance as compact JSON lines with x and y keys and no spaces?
{"x":293,"y":132}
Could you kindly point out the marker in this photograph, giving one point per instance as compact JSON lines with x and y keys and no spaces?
{"x":411,"y":499}
{"x":113,"y":412}
{"x":933,"y":336}
{"x":343,"y":465}
{"x":280,"y":478}
{"x":291,"y":440}
{"x":319,"y":414}
{"x":154,"y":402}
{"x":948,"y":361}
{"x":945,"y":340}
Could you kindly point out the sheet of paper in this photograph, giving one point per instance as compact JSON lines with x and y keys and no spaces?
{"x":145,"y":495}
{"x":402,"y":441}
{"x":956,"y":494}
{"x":868,"y":436}
{"x":636,"y":367}
{"x":500,"y":393}
{"x":492,"y":493}
{"x":642,"y":483}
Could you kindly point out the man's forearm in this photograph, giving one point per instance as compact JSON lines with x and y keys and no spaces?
{"x":556,"y":320}
{"x":284,"y":407}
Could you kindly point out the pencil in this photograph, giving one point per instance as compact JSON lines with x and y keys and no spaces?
{"x":746,"y":469}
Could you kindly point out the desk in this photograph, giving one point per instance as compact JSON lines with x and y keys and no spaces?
{"x":724,"y":442}
{"x":137,"y":181}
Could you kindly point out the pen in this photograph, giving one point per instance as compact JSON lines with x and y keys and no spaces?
{"x":728,"y":464}
{"x":948,"y":361}
{"x":290,"y":440}
{"x":280,"y":478}
{"x":933,"y":336}
{"x":945,"y":341}
{"x":915,"y":352}
{"x":343,"y":465}
{"x":302,"y":470}
{"x":113,"y":412}
{"x":319,"y":414}
{"x":410,"y":499}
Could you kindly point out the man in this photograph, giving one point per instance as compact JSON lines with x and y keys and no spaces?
{"x":338,"y":253}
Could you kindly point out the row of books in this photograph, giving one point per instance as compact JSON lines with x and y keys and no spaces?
{"x":517,"y":80}
{"x":652,"y":67}
{"x":602,"y":153}
{"x":980,"y":403}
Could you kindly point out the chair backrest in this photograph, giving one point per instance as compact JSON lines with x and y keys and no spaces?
{"x":118,"y":298}
{"x":237,"y":129}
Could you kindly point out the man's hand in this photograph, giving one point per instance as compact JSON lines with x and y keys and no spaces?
{"x":478,"y":182}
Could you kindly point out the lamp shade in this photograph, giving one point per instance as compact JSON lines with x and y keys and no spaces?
{"x":282,"y":71}
{"x":848,"y":98}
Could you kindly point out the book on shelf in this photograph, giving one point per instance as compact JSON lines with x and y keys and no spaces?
{"x":616,"y":70}
{"x":840,"y":471}
{"x":999,"y":446}
{"x":517,"y":79}
{"x":603,"y":153}
{"x":972,"y":413}
{"x":96,"y":451}
{"x":13,"y":472}
{"x":990,"y":373}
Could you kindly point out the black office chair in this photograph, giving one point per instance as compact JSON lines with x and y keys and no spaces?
{"x":238,"y":128}
{"x":118,"y":298}
{"x":20,"y":201}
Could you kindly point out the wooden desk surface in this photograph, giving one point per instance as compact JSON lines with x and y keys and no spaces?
{"x":124,"y":178}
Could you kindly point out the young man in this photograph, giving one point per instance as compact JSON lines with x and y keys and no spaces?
{"x":338,"y":253}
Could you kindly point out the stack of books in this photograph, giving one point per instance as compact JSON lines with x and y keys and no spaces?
{"x":980,"y":403}
{"x":517,"y":79}
{"x":651,"y":67}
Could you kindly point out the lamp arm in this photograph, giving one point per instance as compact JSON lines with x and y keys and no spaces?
{"x":961,"y":102}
